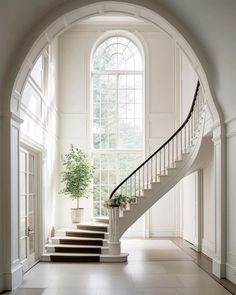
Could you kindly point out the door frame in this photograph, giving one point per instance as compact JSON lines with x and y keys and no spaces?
{"x":39,"y":241}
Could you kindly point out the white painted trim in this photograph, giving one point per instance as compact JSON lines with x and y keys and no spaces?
{"x":231,"y":119}
{"x":38,"y":121}
{"x":1,"y":282}
{"x":159,"y":233}
{"x":231,"y":272}
{"x":218,"y":268}
{"x":208,"y":248}
{"x":14,"y":279}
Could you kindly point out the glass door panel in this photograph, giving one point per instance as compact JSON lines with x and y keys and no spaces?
{"x":28,"y":208}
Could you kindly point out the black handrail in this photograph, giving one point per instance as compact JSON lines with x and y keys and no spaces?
{"x":176,"y":132}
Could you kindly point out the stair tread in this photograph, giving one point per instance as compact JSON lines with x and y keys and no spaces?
{"x":93,"y":224}
{"x":74,"y":246}
{"x":77,"y":238}
{"x":80,"y":231}
{"x":73,"y":254}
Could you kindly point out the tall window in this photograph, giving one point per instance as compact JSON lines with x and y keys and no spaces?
{"x":118,"y":135}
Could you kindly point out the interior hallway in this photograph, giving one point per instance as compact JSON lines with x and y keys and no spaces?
{"x":156,"y":266}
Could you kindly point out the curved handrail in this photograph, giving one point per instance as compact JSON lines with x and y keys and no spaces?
{"x":159,"y":149}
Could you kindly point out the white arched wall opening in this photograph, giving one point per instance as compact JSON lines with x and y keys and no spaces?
{"x":12,"y":266}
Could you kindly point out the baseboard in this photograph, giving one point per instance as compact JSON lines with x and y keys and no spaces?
{"x":208,"y":249}
{"x":164,"y":234}
{"x":231,"y":272}
{"x":1,"y":282}
{"x":218,"y":269}
{"x":11,"y":281}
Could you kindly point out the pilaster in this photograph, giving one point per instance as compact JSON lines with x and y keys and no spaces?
{"x":219,"y":261}
{"x":9,"y":189}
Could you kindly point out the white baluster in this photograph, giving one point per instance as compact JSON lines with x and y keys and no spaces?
{"x":168,"y":154}
{"x":160,"y":162}
{"x":164,"y":160}
{"x":156,"y":167}
{"x":139,"y":181}
{"x":177,"y":146}
{"x":173,"y":150}
{"x":181,"y":145}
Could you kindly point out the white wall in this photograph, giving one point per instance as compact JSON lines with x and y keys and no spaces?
{"x":231,"y":201}
{"x":208,"y":224}
{"x":39,"y":131}
{"x":189,"y":185}
{"x":209,"y":28}
{"x":162,"y":106}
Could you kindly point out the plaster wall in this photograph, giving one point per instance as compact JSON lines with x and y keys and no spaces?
{"x":161,"y":107}
{"x":208,"y":201}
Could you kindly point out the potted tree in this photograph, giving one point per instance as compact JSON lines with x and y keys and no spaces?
{"x":76,"y":177}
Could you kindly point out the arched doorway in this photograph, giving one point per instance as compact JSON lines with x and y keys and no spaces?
{"x":14,"y":122}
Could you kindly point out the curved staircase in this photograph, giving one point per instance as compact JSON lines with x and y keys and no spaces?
{"x":159,"y":173}
{"x":176,"y":158}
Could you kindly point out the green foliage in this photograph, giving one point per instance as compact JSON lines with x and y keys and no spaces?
{"x":119,"y":199}
{"x":77,"y":173}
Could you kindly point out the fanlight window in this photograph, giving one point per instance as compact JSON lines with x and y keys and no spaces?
{"x":117,"y":53}
{"x":118,"y":135}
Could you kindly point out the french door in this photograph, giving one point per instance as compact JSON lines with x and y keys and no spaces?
{"x":28,"y":208}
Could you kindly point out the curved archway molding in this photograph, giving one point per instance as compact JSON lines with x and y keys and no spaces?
{"x":10,"y":131}
{"x":110,"y":8}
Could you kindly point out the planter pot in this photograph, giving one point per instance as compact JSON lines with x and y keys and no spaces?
{"x":77,"y":215}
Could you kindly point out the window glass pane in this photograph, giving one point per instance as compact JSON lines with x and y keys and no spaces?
{"x":32,"y":100}
{"x":23,"y":248}
{"x":36,"y":73}
{"x":117,"y":116}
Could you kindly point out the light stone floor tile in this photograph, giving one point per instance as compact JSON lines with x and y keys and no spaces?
{"x":154,"y":267}
{"x":160,"y":291}
{"x":119,"y":292}
{"x":50,"y":292}
{"x":157,"y":281}
{"x":181,"y":267}
{"x":195,"y":280}
{"x":203,"y":291}
{"x":76,"y":292}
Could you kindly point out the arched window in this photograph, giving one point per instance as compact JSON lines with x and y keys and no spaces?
{"x":118,"y":133}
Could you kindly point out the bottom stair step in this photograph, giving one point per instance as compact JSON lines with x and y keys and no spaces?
{"x":77,"y":258}
{"x":74,"y":258}
{"x":77,"y":250}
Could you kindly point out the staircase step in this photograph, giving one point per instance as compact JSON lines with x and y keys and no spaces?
{"x":93,"y":227}
{"x":78,"y":241}
{"x":65,"y":257}
{"x":83,"y":258}
{"x":74,"y":249}
{"x":84,"y":233}
{"x":101,"y":220}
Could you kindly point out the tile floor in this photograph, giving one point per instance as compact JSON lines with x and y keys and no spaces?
{"x":154,"y":267}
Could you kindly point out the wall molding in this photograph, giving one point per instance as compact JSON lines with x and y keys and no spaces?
{"x":231,"y":272}
{"x":231,"y":119}
{"x":1,"y":282}
{"x":208,"y":248}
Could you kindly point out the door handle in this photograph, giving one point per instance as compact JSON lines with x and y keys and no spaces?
{"x":30,"y":230}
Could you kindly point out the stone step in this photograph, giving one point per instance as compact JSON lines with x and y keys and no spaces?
{"x":93,"y":226}
{"x":83,"y":258}
{"x":85,"y":233}
{"x":78,"y":241}
{"x":69,"y":258}
{"x":101,"y":220}
{"x":76,"y":249}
